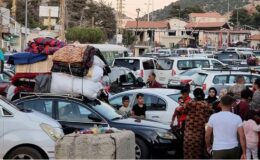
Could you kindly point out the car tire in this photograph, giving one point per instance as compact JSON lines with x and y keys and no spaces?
{"x":141,"y":149}
{"x":25,"y":153}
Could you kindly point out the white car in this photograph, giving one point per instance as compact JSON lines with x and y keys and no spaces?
{"x":208,"y":78}
{"x":167,"y":68}
{"x":161,"y":103}
{"x":183,"y":79}
{"x":26,"y":134}
{"x":142,"y":66}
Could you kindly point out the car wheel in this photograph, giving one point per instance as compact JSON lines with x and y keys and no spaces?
{"x":24,"y":153}
{"x":141,"y":149}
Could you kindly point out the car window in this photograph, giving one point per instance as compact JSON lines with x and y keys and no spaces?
{"x":148,"y":64}
{"x":164,"y":64}
{"x":153,"y":103}
{"x":184,"y":64}
{"x":199,"y":79}
{"x":220,"y":79}
{"x":174,"y":97}
{"x":232,"y":79}
{"x":253,"y":78}
{"x":74,"y":112}
{"x":189,"y":72}
{"x":41,"y":105}
{"x":5,"y":77}
{"x":201,"y":63}
{"x":132,"y":64}
{"x":130,"y":78}
{"x":182,"y":52}
{"x":117,"y":101}
{"x":216,"y":64}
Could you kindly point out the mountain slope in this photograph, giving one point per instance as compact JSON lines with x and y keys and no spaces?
{"x":187,"y":6}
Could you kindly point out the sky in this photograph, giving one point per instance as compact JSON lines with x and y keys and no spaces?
{"x":132,"y":5}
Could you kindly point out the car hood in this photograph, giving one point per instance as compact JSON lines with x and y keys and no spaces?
{"x":143,"y":122}
{"x":41,"y":118}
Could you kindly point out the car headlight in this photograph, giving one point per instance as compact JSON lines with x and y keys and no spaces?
{"x":51,"y":132}
{"x":166,"y":135}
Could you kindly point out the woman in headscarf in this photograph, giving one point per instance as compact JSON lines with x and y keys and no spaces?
{"x":212,"y":97}
{"x":198,"y":112}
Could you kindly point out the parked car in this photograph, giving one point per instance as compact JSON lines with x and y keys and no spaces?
{"x":161,"y":103}
{"x":208,"y":78}
{"x":192,"y":52}
{"x":26,"y":134}
{"x":142,"y":66}
{"x":5,"y":81}
{"x":183,"y":79}
{"x":123,"y":79}
{"x":167,"y":68}
{"x":79,"y":113}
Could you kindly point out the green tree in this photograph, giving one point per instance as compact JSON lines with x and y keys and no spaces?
{"x":242,"y":17}
{"x":128,"y":38}
{"x":85,"y":35}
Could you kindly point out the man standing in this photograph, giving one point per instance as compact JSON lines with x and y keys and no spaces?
{"x":152,"y":83}
{"x":225,"y":127}
{"x":125,"y":109}
{"x":238,"y":87}
{"x":140,"y":108}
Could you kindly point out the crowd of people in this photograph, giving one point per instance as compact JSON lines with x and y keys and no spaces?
{"x":222,"y":125}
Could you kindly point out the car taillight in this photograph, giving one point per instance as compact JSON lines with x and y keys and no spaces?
{"x":173,"y":72}
{"x":186,"y":81}
{"x":204,"y":87}
{"x":142,"y":73}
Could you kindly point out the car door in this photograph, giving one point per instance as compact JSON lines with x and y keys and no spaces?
{"x":164,"y":70}
{"x":74,"y":116}
{"x":156,"y":107}
{"x":148,"y":67}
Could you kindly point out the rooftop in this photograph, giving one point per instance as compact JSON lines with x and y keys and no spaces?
{"x":208,"y":14}
{"x":148,"y":25}
{"x":205,"y":25}
{"x":254,"y":38}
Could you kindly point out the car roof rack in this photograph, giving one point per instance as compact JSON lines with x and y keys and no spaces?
{"x":74,"y":96}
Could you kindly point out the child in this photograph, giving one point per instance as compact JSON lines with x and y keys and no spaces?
{"x":177,"y":113}
{"x":251,"y":130}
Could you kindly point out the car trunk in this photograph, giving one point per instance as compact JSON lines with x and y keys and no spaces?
{"x":164,"y":70}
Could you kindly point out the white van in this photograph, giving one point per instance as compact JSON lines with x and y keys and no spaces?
{"x":142,"y":66}
{"x":26,"y":134}
{"x":166,"y":68}
{"x":192,"y":52}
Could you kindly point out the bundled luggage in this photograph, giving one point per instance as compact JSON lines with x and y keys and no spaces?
{"x":70,"y":70}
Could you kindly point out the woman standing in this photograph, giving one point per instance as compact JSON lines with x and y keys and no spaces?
{"x":212,"y":98}
{"x":198,"y":112}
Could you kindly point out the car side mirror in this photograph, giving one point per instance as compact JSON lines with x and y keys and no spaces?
{"x":94,"y":118}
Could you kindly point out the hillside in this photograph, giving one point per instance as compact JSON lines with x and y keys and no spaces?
{"x":188,"y":6}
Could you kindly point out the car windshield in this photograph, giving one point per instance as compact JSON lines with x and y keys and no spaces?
{"x":199,"y":79}
{"x":174,"y":97}
{"x":189,"y":72}
{"x":164,"y":64}
{"x":132,"y":64}
{"x":106,"y":110}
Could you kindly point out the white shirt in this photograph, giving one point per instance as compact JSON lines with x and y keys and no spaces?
{"x":225,"y":126}
{"x":124,"y":110}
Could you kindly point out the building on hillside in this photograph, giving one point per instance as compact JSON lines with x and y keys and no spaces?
{"x":254,"y":41}
{"x":147,"y":34}
{"x":177,"y":35}
{"x":206,"y":17}
{"x":223,"y":38}
{"x":13,"y":33}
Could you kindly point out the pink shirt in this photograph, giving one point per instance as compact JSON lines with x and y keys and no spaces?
{"x":251,"y":130}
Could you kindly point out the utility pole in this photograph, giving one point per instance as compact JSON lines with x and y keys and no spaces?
{"x":148,"y":10}
{"x":62,"y":19}
{"x":26,"y":23}
{"x":237,"y":18}
{"x":14,"y":9}
{"x":120,"y":13}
